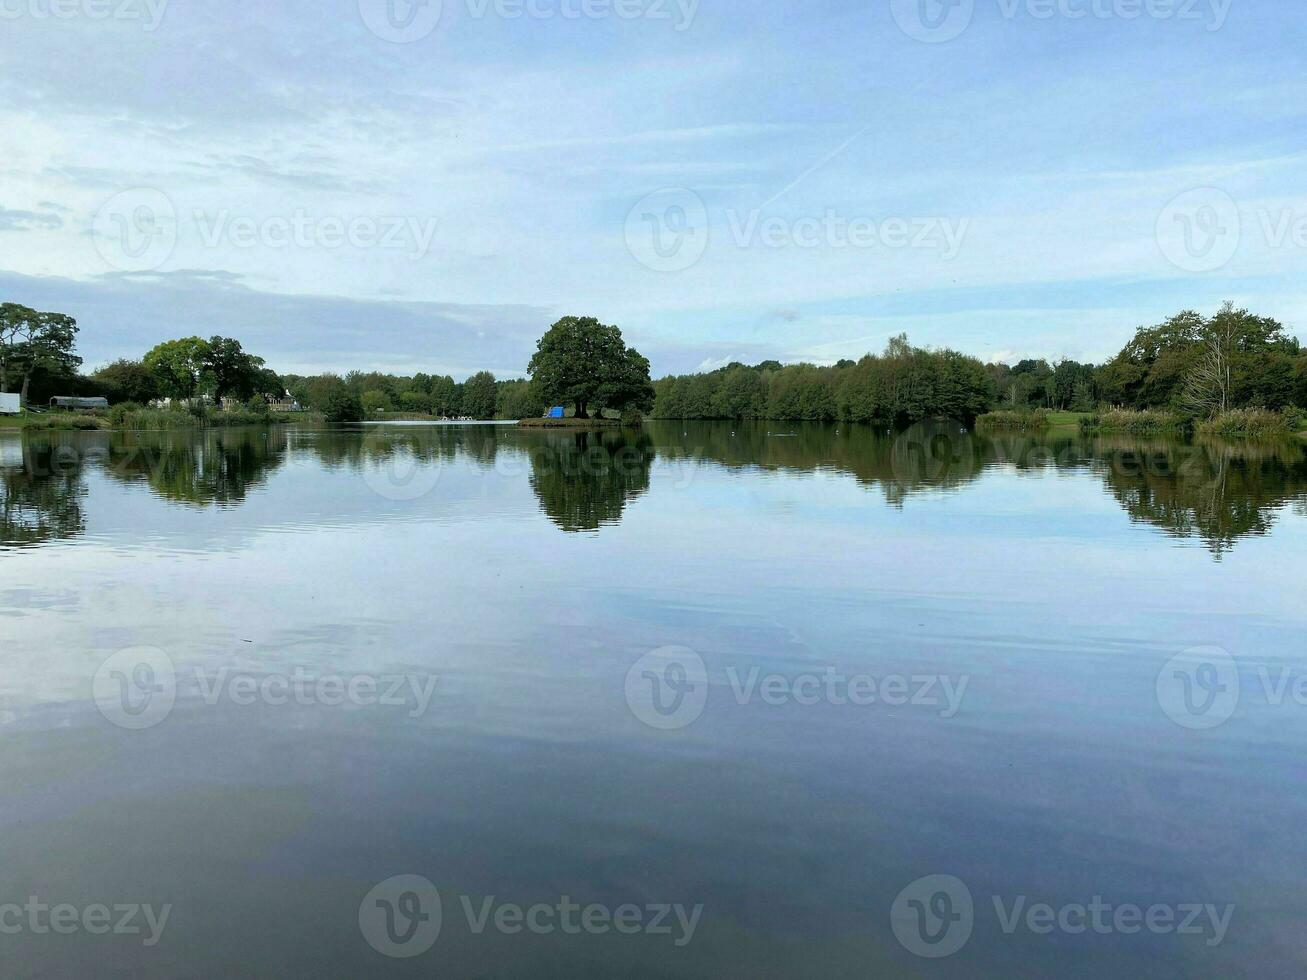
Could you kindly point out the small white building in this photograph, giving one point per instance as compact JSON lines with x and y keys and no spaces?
{"x":9,"y":403}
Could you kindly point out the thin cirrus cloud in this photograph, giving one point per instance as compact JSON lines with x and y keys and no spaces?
{"x":11,"y":220}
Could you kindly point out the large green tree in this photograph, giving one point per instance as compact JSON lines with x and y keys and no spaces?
{"x":586,"y":363}
{"x":179,"y":367}
{"x":218,"y":367}
{"x":340,"y":406}
{"x":479,"y":396}
{"x":444,"y":396}
{"x":126,"y":380}
{"x":235,"y":372}
{"x":32,"y":341}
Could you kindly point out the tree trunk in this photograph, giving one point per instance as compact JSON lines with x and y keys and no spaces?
{"x":580,"y":411}
{"x":22,"y":398}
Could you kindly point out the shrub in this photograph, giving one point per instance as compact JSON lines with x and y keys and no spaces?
{"x":1133,"y":421}
{"x":58,"y":420}
{"x":1246,"y":423}
{"x":238,"y":416}
{"x":119,"y":413}
{"x":1020,"y":421}
{"x":156,"y":418}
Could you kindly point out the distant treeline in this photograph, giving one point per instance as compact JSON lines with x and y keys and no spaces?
{"x":904,"y":384}
{"x":1192,"y":365}
{"x":481,"y":396}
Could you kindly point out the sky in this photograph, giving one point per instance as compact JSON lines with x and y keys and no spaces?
{"x":374,"y":184}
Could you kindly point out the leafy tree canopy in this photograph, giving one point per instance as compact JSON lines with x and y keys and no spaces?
{"x":586,"y":363}
{"x":479,"y":396}
{"x":218,"y":367}
{"x":32,"y":341}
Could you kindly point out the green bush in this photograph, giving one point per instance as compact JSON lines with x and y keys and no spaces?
{"x":1139,"y":422}
{"x":1014,"y":421}
{"x":62,"y":420}
{"x":119,"y":414}
{"x":1247,"y":423}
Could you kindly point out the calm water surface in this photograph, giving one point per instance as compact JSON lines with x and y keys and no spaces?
{"x":200,"y":632}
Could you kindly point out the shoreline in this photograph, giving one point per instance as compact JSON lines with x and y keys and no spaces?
{"x":570,"y":423}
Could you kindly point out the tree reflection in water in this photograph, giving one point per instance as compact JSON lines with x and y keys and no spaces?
{"x":1215,"y":491}
{"x":584,"y":480}
{"x":41,"y":492}
{"x":202,"y":468}
{"x":1211,"y":491}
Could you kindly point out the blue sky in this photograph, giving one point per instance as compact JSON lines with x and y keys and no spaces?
{"x":344,"y":184}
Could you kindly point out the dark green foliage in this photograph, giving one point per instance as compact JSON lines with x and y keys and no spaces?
{"x":1266,"y":364}
{"x":33,"y":343}
{"x":218,"y":367}
{"x":903,"y":385}
{"x":479,"y":396}
{"x":126,"y":380}
{"x":518,"y":400}
{"x":582,"y":362}
{"x":337,"y":403}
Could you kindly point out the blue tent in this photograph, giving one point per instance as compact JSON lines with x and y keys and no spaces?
{"x":556,"y":412}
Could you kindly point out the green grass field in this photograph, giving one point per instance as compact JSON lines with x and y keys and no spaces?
{"x":1059,"y":419}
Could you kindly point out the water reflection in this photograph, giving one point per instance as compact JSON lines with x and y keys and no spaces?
{"x":1210,"y":490}
{"x":1213,"y":492}
{"x":584,"y":480}
{"x":40,"y":493}
{"x":214,"y":467}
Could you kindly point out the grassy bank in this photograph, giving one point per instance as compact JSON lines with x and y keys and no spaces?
{"x":570,"y":423}
{"x":53,"y":420}
{"x":135,"y":417}
{"x":1066,"y":420}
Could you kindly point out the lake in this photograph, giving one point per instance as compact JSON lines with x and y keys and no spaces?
{"x":706,"y":700}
